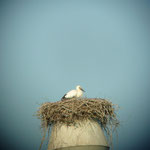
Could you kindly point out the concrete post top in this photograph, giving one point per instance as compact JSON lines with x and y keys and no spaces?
{"x":82,"y":133}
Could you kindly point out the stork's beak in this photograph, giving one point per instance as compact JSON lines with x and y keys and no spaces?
{"x":82,"y":89}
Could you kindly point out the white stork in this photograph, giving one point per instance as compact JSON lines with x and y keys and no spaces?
{"x":74,"y":93}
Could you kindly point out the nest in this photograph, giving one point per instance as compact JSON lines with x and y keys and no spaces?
{"x":69,"y":111}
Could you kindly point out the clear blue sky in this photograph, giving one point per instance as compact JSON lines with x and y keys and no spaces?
{"x":49,"y":47}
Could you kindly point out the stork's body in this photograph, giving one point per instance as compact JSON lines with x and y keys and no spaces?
{"x":74,"y":93}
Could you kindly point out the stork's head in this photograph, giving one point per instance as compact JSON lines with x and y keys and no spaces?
{"x":79,"y":88}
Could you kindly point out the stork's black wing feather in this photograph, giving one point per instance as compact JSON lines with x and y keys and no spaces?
{"x":63,"y":97}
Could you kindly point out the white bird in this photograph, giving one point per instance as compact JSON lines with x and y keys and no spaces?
{"x":74,"y":93}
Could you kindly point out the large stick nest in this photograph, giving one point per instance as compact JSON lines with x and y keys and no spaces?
{"x":69,"y":111}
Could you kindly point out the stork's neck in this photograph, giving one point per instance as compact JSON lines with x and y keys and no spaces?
{"x":78,"y":89}
{"x":79,"y":93}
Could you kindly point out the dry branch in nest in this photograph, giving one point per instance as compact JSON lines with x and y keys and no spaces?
{"x":68,"y":111}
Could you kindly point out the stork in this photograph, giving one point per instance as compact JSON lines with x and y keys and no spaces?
{"x":74,"y":93}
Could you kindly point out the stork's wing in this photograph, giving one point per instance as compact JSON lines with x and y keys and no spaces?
{"x":63,"y":97}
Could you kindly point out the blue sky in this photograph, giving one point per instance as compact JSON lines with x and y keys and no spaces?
{"x":49,"y":47}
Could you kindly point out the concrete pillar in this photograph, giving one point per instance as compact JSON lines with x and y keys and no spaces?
{"x":82,"y":135}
